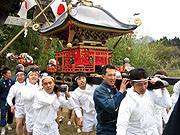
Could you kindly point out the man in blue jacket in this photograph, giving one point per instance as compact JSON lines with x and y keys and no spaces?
{"x":5,"y":83}
{"x":107,"y":99}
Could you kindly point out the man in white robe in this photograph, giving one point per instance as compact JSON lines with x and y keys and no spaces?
{"x":28,"y":94}
{"x":136,"y":112}
{"x":83,"y":97}
{"x":46,"y":105}
{"x":15,"y":92}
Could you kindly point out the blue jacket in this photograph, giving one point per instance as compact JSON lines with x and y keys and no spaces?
{"x":107,"y":101}
{"x":4,"y":87}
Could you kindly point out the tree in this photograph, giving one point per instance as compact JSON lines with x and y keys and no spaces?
{"x":141,"y":54}
{"x":164,"y":41}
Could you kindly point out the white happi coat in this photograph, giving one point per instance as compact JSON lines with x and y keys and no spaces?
{"x":175,"y":96}
{"x":28,"y":97}
{"x":136,"y":112}
{"x":84,"y":99}
{"x":16,"y":91}
{"x":45,"y":112}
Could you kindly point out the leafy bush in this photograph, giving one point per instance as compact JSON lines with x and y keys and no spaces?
{"x":140,"y":55}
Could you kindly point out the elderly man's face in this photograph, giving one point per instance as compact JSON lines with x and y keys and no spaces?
{"x":48,"y":85}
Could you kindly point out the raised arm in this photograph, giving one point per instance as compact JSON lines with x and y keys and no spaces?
{"x":11,"y":95}
{"x":164,"y":101}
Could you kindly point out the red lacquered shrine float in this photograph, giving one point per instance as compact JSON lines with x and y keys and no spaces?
{"x":84,"y":31}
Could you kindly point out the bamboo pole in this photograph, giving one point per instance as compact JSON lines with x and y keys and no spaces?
{"x":47,"y":19}
{"x":43,"y":12}
{"x":25,"y":28}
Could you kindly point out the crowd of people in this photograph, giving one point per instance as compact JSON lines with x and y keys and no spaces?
{"x":35,"y":102}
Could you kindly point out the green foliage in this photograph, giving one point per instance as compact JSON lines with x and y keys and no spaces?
{"x":21,"y":44}
{"x":4,"y":37}
{"x":168,"y":55}
{"x":140,"y":55}
{"x":26,"y":45}
{"x":153,"y":56}
{"x":119,"y":53}
{"x":170,"y":42}
{"x":164,"y":41}
{"x":44,"y":57}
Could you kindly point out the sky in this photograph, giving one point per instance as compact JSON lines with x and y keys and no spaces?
{"x":159,"y":17}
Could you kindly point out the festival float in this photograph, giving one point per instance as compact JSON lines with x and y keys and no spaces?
{"x":83,"y":30}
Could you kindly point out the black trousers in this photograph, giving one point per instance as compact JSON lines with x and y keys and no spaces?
{"x":5,"y":109}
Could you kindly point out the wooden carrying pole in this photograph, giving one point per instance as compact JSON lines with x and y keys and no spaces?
{"x":25,"y":28}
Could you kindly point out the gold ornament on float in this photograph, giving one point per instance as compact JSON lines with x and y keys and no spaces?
{"x":138,"y":21}
{"x":128,"y":48}
{"x":69,"y":45}
{"x":35,"y":27}
{"x":36,"y":48}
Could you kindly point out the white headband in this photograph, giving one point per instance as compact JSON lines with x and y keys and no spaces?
{"x":118,"y":73}
{"x":161,"y":76}
{"x":140,"y":80}
{"x":31,"y":72}
{"x":20,"y":72}
{"x":46,"y":76}
{"x":76,"y":78}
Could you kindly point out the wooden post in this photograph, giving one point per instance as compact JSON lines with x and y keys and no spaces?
{"x":57,"y":62}
{"x":25,"y":28}
{"x":63,"y":63}
{"x":94,"y":62}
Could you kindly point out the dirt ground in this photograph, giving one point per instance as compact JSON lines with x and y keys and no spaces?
{"x":64,"y":128}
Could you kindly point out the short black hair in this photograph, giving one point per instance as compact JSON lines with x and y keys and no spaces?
{"x":161,"y":72}
{"x":81,"y":74}
{"x":137,"y":74}
{"x":107,"y":66}
{"x":43,"y":71}
{"x":5,"y":70}
{"x":33,"y":70}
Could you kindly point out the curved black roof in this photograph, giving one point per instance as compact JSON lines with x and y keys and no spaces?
{"x":88,"y":22}
{"x":94,"y":17}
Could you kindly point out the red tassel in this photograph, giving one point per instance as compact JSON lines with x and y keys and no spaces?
{"x":129,"y":45}
{"x":26,"y":4}
{"x":70,"y":23}
{"x":60,"y":9}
